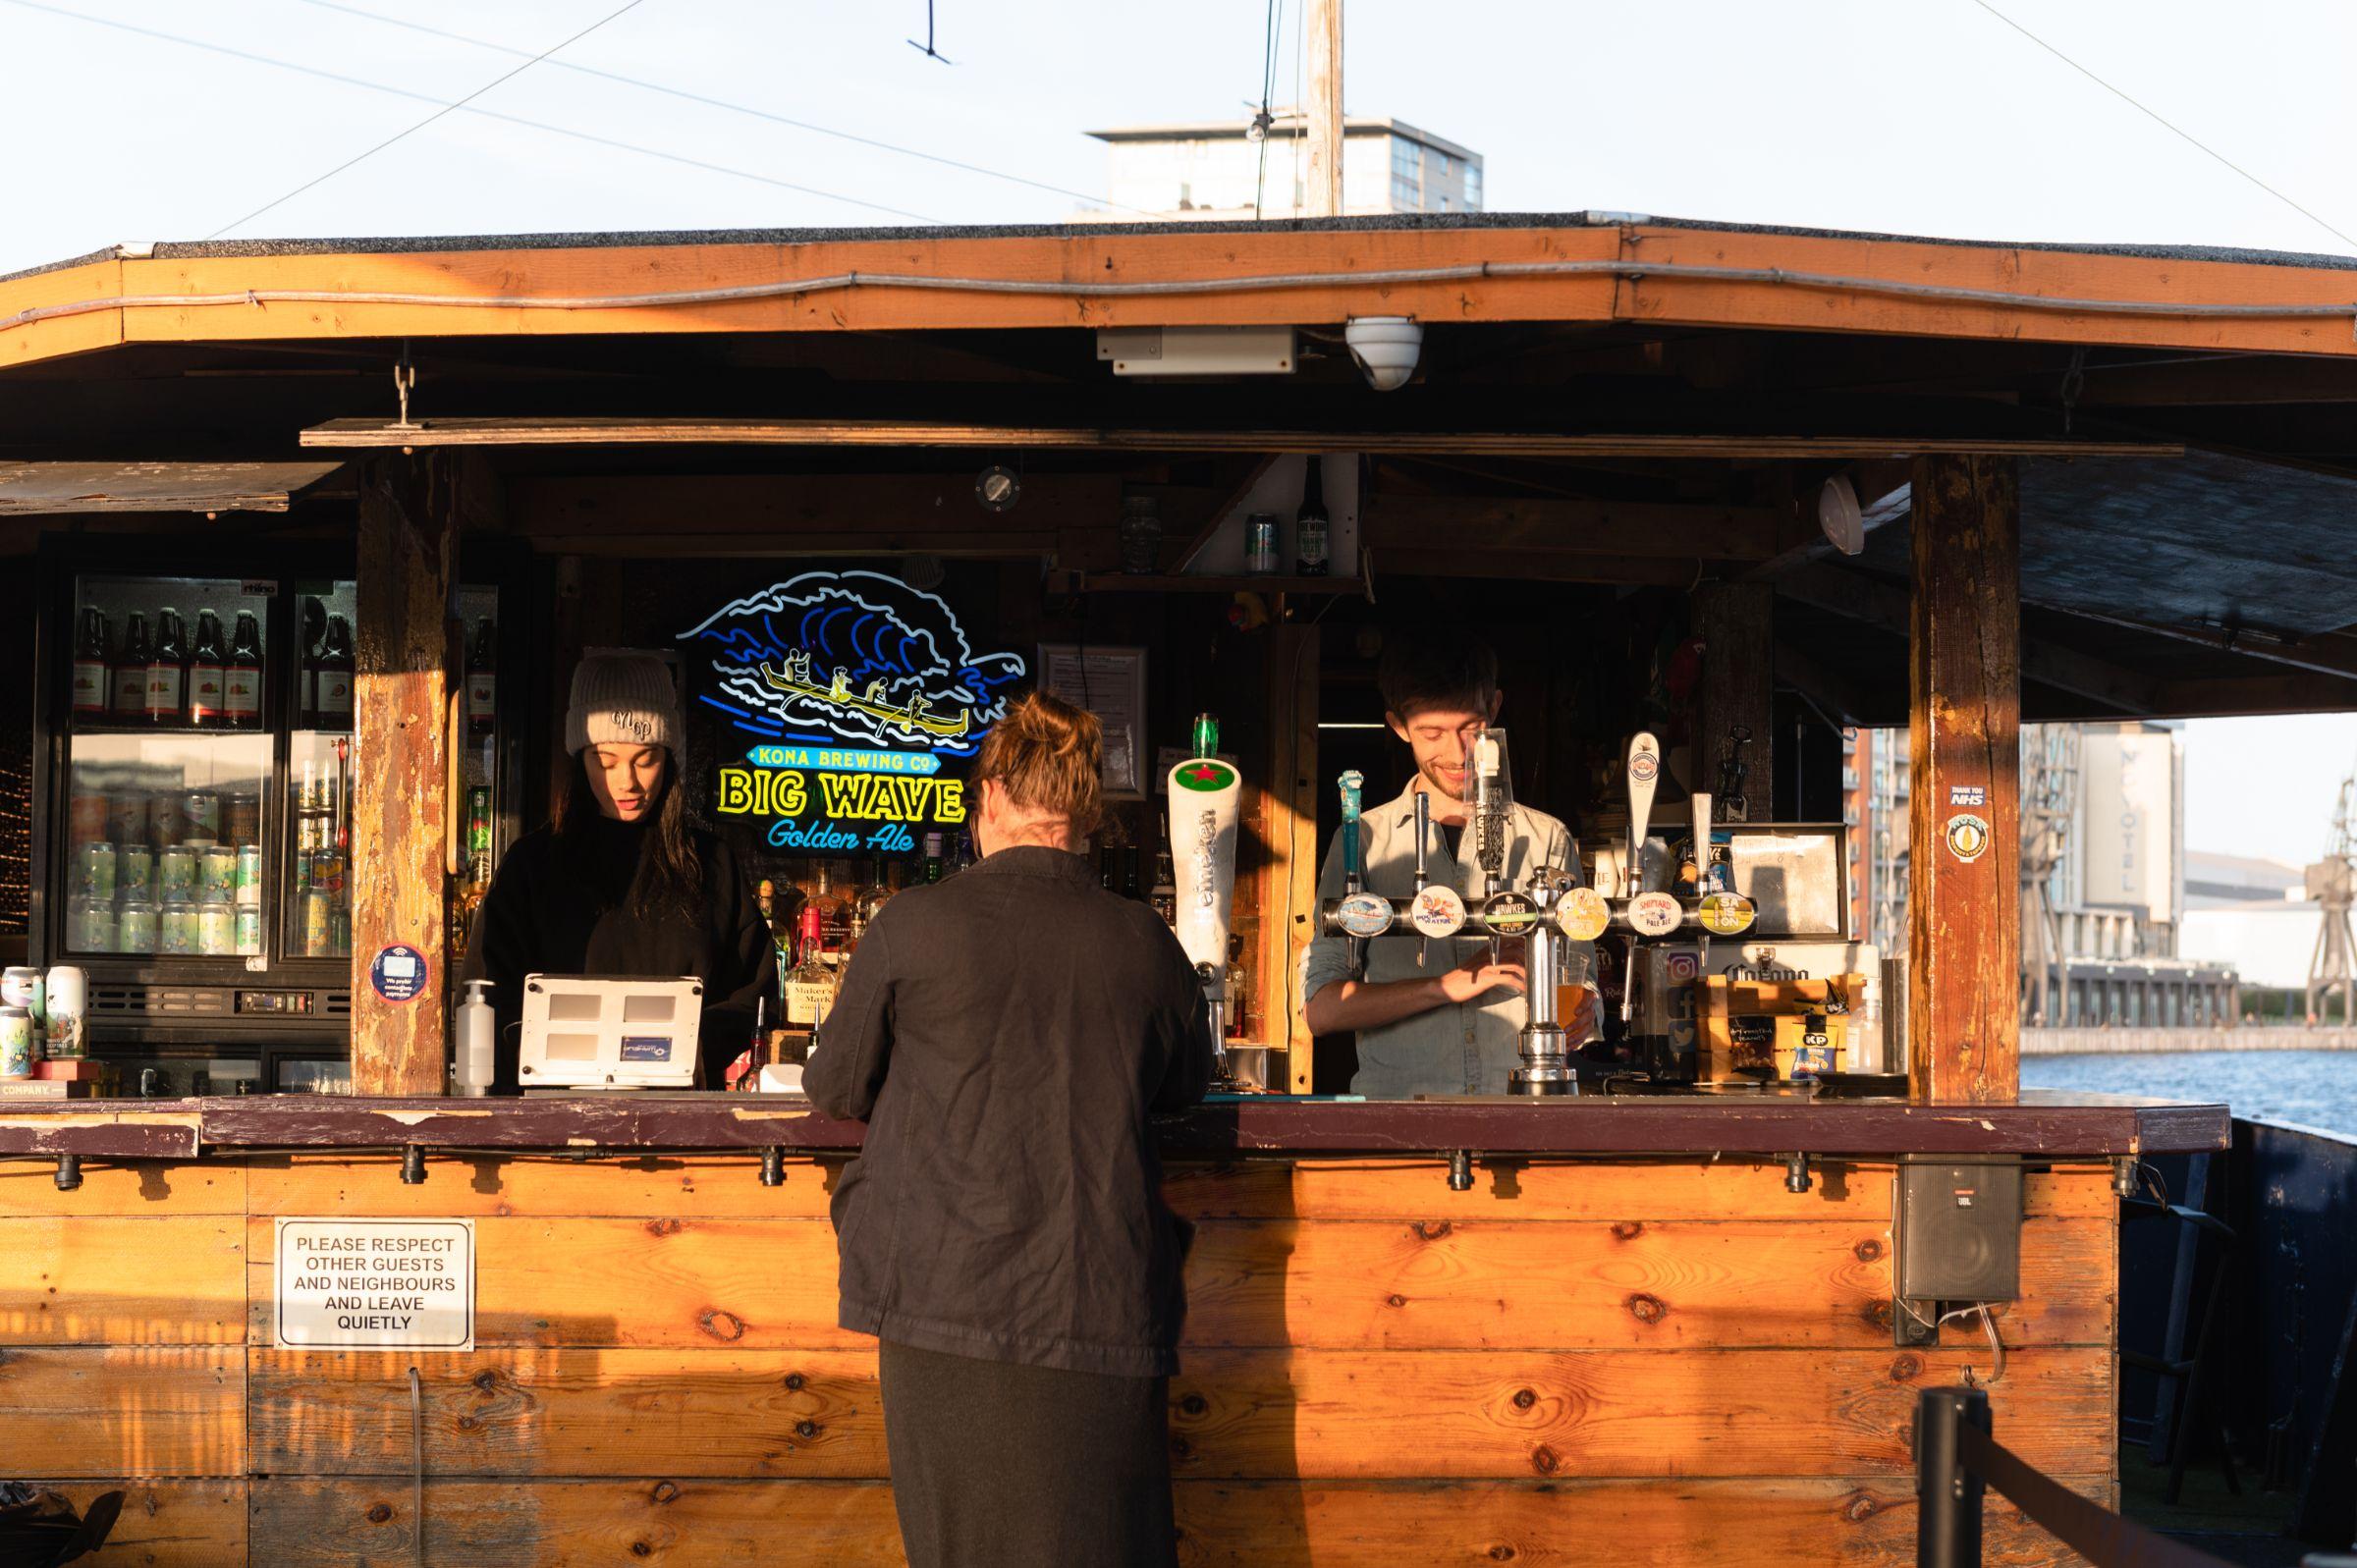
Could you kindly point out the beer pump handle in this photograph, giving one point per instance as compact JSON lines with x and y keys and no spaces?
{"x":1644,"y":774}
{"x":1423,"y":831}
{"x":1701,"y":807}
{"x":1351,"y":782}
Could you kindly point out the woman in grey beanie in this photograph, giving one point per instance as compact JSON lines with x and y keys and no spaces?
{"x":623,"y":882}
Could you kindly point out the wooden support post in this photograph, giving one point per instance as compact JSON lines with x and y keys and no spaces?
{"x":1964,"y":665}
{"x":1289,"y":828}
{"x":1323,"y":197}
{"x":1737,"y":622}
{"x":408,"y":544}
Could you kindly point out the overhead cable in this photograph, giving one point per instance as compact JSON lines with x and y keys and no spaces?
{"x":685,"y":96}
{"x":473,"y":109}
{"x":2158,"y":119}
{"x":1631,"y":271}
{"x":362,"y":157}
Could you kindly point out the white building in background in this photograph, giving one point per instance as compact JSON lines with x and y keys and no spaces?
{"x":2252,"y":914}
{"x":1214,"y":171}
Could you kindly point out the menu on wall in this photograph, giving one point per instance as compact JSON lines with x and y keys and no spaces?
{"x":1110,"y":682}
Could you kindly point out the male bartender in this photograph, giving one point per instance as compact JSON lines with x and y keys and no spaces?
{"x":1452,"y":1025}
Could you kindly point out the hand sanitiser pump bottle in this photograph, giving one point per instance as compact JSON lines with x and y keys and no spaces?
{"x":477,"y":1032}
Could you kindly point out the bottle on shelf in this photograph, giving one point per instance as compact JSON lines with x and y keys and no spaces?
{"x":208,"y":672}
{"x":1165,"y":893}
{"x":1234,"y":1008}
{"x":773,"y":919}
{"x":810,"y":982}
{"x":167,"y":670}
{"x":879,"y":889}
{"x":1132,"y":888}
{"x":963,"y":856}
{"x":334,"y":667}
{"x":242,"y":695}
{"x":306,"y":697}
{"x":90,"y":669}
{"x":933,"y":867}
{"x":127,"y":686}
{"x":834,"y":908}
{"x":1310,"y":527}
{"x":482,"y":680}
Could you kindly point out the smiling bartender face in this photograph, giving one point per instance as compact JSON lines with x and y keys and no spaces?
{"x":1449,"y":1026}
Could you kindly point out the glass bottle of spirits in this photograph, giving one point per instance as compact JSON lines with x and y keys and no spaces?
{"x":242,"y":692}
{"x":126,"y":701}
{"x":809,"y":984}
{"x":1165,"y":893}
{"x":208,"y":672}
{"x":90,"y":669}
{"x":167,"y":670}
{"x":314,"y":634}
{"x":933,"y":867}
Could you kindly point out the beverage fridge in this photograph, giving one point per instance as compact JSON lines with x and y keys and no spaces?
{"x":192,"y":809}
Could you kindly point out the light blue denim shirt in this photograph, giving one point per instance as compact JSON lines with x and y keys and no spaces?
{"x":1465,"y":1048}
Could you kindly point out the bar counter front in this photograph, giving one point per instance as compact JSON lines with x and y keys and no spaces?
{"x":1647,"y":1329}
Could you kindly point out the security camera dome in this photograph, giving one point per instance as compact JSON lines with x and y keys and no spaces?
{"x":1386,"y":348}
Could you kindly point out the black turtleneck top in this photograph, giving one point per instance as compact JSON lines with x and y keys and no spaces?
{"x":558,"y":905}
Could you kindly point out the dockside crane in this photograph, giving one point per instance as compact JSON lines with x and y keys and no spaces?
{"x":2332,"y":883}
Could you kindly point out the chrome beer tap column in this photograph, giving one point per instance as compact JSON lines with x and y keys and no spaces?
{"x":1545,"y":1046}
{"x":1357,"y":915}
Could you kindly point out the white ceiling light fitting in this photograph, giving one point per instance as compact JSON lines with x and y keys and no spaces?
{"x":1840,"y":515}
{"x":1386,"y":349}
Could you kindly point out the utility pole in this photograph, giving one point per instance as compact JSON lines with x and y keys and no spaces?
{"x":2332,"y":883}
{"x":1324,"y":196}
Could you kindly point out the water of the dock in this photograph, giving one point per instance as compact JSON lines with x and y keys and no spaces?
{"x":2309,"y":1087}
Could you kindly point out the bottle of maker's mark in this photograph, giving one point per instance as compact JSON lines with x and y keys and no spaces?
{"x":810,"y":984}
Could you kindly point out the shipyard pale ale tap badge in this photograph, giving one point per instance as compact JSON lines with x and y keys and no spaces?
{"x":861,"y":695}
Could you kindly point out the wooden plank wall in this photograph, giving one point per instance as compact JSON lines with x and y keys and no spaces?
{"x":1623,"y":1363}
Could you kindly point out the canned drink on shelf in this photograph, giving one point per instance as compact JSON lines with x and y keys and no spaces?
{"x":327,"y":871}
{"x":250,"y":875}
{"x":69,"y":993}
{"x":250,"y":929}
{"x":85,"y":819}
{"x":200,"y":815}
{"x":135,"y":926}
{"x":314,"y":924}
{"x":175,"y":874}
{"x":164,"y":824}
{"x":134,"y":870}
{"x":176,"y":930}
{"x":21,"y":987}
{"x":16,"y":1042}
{"x":90,"y":925}
{"x":126,"y":817}
{"x":94,"y":870}
{"x":216,"y":929}
{"x":217,"y":877}
{"x":242,"y":820}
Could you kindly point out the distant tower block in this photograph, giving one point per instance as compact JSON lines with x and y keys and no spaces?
{"x":2331,"y":882}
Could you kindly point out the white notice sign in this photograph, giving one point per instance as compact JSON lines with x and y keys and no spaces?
{"x":382,"y":1283}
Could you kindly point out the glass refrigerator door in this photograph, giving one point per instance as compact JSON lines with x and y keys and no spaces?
{"x":168,"y":756}
{"x":320,"y":762}
{"x":477,"y":844}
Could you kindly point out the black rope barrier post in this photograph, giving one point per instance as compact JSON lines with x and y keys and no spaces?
{"x":1947,"y":1495}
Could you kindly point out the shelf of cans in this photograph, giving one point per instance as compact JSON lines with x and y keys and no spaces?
{"x":177,"y":873}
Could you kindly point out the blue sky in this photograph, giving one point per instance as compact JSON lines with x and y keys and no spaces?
{"x":1929,"y":117}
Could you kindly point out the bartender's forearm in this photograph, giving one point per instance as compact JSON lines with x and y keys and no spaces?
{"x":1348,"y":1004}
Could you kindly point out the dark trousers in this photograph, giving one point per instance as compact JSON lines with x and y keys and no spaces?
{"x":995,"y":1465}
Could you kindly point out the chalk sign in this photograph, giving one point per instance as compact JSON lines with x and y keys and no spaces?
{"x":408,"y":1283}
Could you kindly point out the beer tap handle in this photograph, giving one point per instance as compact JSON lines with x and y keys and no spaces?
{"x":1351,"y":782}
{"x":1423,"y":831}
{"x":1644,"y":776}
{"x":1700,"y":805}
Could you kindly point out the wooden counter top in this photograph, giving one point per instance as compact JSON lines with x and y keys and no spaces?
{"x":2042,"y":1124}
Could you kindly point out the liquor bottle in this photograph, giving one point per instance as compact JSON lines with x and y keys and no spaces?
{"x":773,"y":920}
{"x":1164,"y":895}
{"x":314,"y":629}
{"x":208,"y":672}
{"x":933,"y":857}
{"x":1310,"y":527}
{"x":879,"y":889}
{"x":242,"y":696}
{"x":1130,"y":889}
{"x":1236,"y":989}
{"x":127,"y":700}
{"x":964,"y":855}
{"x":482,"y":681}
{"x":334,"y":696}
{"x":809,"y":984}
{"x":89,"y":665}
{"x":167,"y":670}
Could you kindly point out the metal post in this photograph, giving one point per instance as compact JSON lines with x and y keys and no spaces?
{"x":1947,"y":1496}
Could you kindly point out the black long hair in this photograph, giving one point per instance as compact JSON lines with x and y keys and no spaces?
{"x":669,"y":881}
